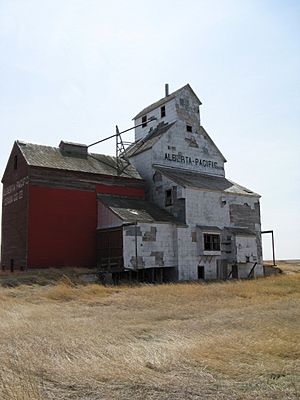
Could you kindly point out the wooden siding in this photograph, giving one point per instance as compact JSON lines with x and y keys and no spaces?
{"x":14,"y":212}
{"x":106,"y":218}
{"x":62,"y":227}
{"x":110,"y":250}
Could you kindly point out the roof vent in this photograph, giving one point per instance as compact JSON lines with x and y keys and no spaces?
{"x":73,"y":149}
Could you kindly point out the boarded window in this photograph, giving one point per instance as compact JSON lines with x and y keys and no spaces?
{"x":144,"y":121}
{"x":162,"y":111}
{"x":211,"y":242}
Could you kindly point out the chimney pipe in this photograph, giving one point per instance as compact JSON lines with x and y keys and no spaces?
{"x":167,"y":89}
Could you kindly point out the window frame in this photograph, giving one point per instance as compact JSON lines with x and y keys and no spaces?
{"x":168,"y":197}
{"x":144,"y":121}
{"x":211,"y":241}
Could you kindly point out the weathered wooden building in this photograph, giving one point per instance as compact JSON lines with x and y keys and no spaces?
{"x":220,"y":235}
{"x":49,"y":208}
{"x":171,"y":215}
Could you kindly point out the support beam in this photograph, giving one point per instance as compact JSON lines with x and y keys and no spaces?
{"x":273,"y":245}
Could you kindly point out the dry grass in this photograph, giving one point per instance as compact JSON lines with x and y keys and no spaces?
{"x":287,"y":266}
{"x":237,"y":340}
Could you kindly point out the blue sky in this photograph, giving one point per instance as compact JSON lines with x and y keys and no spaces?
{"x":73,"y":69}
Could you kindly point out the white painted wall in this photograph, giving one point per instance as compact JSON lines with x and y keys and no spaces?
{"x":246,"y":250}
{"x":171,"y":116}
{"x":187,"y":255}
{"x":182,"y":151}
{"x":164,"y":242}
{"x":174,"y":150}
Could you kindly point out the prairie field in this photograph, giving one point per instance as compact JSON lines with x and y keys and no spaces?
{"x":226,"y":340}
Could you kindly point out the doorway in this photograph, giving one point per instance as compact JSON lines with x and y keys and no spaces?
{"x":235,"y":272}
{"x":201,"y":272}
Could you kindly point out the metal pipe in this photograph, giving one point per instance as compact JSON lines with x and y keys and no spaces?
{"x":119,"y":133}
{"x":273,"y":248}
{"x":136,"y":247}
{"x":167,"y":89}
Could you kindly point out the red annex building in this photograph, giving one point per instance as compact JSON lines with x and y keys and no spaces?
{"x":49,"y":215}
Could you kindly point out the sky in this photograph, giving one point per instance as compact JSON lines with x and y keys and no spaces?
{"x":73,"y":69}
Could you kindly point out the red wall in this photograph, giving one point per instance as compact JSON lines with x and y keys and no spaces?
{"x":62,"y":224}
{"x":62,"y":227}
{"x":137,"y":192}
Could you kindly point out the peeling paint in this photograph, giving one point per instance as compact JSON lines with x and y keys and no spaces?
{"x":159,"y":257}
{"x":150,"y":236}
{"x":132,"y":230}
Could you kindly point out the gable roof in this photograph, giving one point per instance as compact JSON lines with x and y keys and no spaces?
{"x":206,"y":135}
{"x":165,"y":100}
{"x":52,"y":157}
{"x":154,"y":135}
{"x":132,"y":210}
{"x":202,"y":181}
{"x":149,"y":140}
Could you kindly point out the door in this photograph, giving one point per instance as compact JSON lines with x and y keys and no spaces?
{"x":201,"y":272}
{"x":221,"y":269}
{"x":110,"y":249}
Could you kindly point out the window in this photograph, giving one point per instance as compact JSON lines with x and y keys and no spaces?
{"x":16,"y":162}
{"x":162,"y":111}
{"x":211,"y":242}
{"x":144,"y":121}
{"x":189,"y":128}
{"x":169,"y":197}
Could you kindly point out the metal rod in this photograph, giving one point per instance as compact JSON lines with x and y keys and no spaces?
{"x":102,"y":140}
{"x":117,"y":148}
{"x":119,"y":133}
{"x":273,"y":248}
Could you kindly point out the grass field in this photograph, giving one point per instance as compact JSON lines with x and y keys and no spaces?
{"x":230,"y":340}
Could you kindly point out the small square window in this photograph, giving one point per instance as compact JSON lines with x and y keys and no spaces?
{"x":189,"y":128}
{"x":144,"y":121}
{"x":211,"y":242}
{"x":162,"y":111}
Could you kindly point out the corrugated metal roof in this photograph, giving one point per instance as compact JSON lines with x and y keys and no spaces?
{"x":132,"y":210}
{"x":201,"y":181}
{"x":52,"y":157}
{"x":149,"y":140}
{"x":165,"y":100}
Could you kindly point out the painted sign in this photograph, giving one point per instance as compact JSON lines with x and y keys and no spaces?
{"x":198,"y":162}
{"x":14,"y":192}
